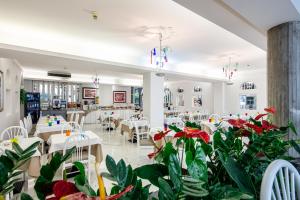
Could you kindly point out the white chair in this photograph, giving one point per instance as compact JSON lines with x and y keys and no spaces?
{"x":82,"y":152}
{"x":22,"y":124}
{"x":71,"y":117}
{"x":12,"y":132}
{"x":76,"y":118}
{"x":72,"y":126}
{"x":26,"y":126}
{"x":82,"y":122}
{"x":142,"y":136}
{"x":280,"y":181}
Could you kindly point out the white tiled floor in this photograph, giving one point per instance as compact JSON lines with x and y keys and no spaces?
{"x":115,"y":146}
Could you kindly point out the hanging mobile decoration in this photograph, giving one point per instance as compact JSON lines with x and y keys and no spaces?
{"x":230,"y":69}
{"x":159,"y":56}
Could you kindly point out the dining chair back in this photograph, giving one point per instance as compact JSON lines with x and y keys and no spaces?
{"x":71,"y":117}
{"x":82,"y":122}
{"x":281,"y":180}
{"x":82,"y":152}
{"x":12,"y":132}
{"x":73,"y":127}
{"x":22,"y":123}
{"x":76,"y":118}
{"x":142,"y":134}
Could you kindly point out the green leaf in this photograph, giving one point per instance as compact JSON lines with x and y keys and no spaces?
{"x":31,"y":147}
{"x":238,"y":175}
{"x":83,"y":186}
{"x":47,"y":172}
{"x":12,"y":155}
{"x":165,"y":191}
{"x":80,"y":167}
{"x":197,"y":168}
{"x":3,"y":174}
{"x":17,"y":148}
{"x":25,"y":196}
{"x":292,"y":127}
{"x":122,"y":173}
{"x":129,"y":176}
{"x":175,"y":172}
{"x":108,"y":176}
{"x":111,"y":165}
{"x":175,"y":128}
{"x":295,"y":145}
{"x":7,"y":162}
{"x":193,"y":187}
{"x":152,"y":172}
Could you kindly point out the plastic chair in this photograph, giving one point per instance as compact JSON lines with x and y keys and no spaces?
{"x":22,"y":124}
{"x":142,"y":130}
{"x":12,"y":132}
{"x":280,"y":181}
{"x":76,"y":118}
{"x":82,"y":152}
{"x":72,"y":126}
{"x":82,"y":122}
{"x":71,"y":117}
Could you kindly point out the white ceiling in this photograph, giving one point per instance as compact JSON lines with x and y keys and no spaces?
{"x":199,"y":47}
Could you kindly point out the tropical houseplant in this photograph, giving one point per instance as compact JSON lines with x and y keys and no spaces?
{"x":228,"y":166}
{"x":10,"y":162}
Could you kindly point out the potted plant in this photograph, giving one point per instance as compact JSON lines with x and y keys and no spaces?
{"x":228,"y":166}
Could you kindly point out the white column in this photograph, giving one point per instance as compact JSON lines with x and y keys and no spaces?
{"x":219,"y":97}
{"x":153,"y":99}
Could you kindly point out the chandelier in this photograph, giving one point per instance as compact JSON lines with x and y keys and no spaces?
{"x":230,"y":69}
{"x":96,"y":81}
{"x":159,"y":56}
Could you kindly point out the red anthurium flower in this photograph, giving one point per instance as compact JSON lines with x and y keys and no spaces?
{"x":200,"y":134}
{"x":256,"y":128}
{"x":151,"y":155}
{"x":160,"y":135}
{"x":268,"y":126}
{"x":64,"y":188}
{"x":258,"y":117}
{"x":245,"y":133}
{"x":180,"y":134}
{"x":271,"y":110}
{"x":238,"y":123}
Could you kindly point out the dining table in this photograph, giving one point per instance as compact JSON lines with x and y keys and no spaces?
{"x":33,"y":165}
{"x":44,"y":130}
{"x":57,"y":144}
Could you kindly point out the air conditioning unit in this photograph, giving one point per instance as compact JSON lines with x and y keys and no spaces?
{"x":59,"y":74}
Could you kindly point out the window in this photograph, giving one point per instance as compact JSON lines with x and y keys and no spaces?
{"x":49,"y":90}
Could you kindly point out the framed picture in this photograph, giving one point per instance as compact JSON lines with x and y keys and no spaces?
{"x":1,"y":91}
{"x":119,"y":96}
{"x":88,"y":93}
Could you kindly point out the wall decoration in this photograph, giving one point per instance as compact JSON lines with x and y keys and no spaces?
{"x":119,"y":96}
{"x":197,"y":89}
{"x":248,"y":102}
{"x":88,"y":93}
{"x":1,"y":91}
{"x":248,"y":86}
{"x":197,"y":101}
{"x":167,"y":98}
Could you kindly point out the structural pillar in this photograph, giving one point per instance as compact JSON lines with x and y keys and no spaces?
{"x":153,"y":99}
{"x":219,"y":97}
{"x":284,"y":73}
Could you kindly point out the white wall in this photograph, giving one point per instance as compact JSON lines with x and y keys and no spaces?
{"x":188,"y":86}
{"x":233,"y":92}
{"x":12,"y":82}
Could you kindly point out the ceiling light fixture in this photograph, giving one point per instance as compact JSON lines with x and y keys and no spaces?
{"x":230,"y":69}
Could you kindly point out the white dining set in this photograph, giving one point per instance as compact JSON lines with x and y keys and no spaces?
{"x":59,"y":135}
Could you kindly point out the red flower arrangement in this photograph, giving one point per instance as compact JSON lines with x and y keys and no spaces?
{"x":259,"y":129}
{"x":160,"y":135}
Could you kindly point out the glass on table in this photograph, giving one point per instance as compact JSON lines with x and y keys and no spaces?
{"x":68,"y":132}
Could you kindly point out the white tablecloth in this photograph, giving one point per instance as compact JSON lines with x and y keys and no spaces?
{"x":131,"y":123}
{"x":43,"y":127}
{"x":57,"y":141}
{"x":173,"y":120}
